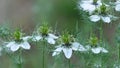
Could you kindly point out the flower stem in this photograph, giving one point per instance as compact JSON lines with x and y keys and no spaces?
{"x":20,"y":59}
{"x":69,"y":64}
{"x":101,"y":38}
{"x":43,"y":57}
{"x":19,"y":65}
{"x":119,"y":52}
{"x":101,"y":31}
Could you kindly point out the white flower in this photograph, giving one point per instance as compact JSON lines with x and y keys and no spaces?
{"x":97,"y":50}
{"x":50,"y":38}
{"x":117,"y":6}
{"x":67,"y":50}
{"x":89,"y":5}
{"x":96,"y":18}
{"x":102,"y":14}
{"x":14,"y":46}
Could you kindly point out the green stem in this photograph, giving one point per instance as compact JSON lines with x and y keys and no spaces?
{"x":20,"y":59}
{"x":119,"y":52}
{"x":101,"y":31}
{"x":43,"y":57}
{"x":101,"y":38}
{"x":19,"y":65}
{"x":43,"y":51}
{"x":69,"y":63}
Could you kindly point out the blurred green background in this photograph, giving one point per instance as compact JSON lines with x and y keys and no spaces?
{"x":61,"y":15}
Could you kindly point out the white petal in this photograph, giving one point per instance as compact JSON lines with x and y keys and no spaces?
{"x":53,"y":36}
{"x":104,"y":50}
{"x":26,"y":38}
{"x":81,"y":48}
{"x":117,"y":7}
{"x":86,"y":1}
{"x":10,"y":44}
{"x":91,"y":8}
{"x":67,"y":52}
{"x":106,"y":19}
{"x":117,"y":2}
{"x":57,"y":51}
{"x":58,"y":46}
{"x":50,"y":40}
{"x":88,"y":47}
{"x":75,"y":46}
{"x":88,"y":7}
{"x":96,"y":50}
{"x":25,"y":45}
{"x":95,"y":18}
{"x":14,"y":47}
{"x":99,"y":2}
{"x":37,"y":38}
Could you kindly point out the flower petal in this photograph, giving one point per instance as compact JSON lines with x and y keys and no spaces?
{"x":58,"y":46}
{"x":67,"y":52}
{"x":26,"y":38}
{"x":86,"y":1}
{"x":50,"y":40}
{"x":36,"y":38}
{"x":57,"y":51}
{"x":10,"y":44}
{"x":25,"y":45}
{"x":106,"y":19}
{"x":81,"y":48}
{"x":88,"y":7}
{"x":96,"y":50}
{"x":14,"y":47}
{"x":88,"y":47}
{"x":75,"y":46}
{"x":53,"y":36}
{"x":95,"y":18}
{"x":99,"y":2}
{"x":117,"y":7}
{"x":104,"y":50}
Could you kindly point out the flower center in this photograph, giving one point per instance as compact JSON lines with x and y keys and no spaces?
{"x":93,"y":41}
{"x":67,"y":39}
{"x":17,"y":36}
{"x":103,"y":9}
{"x":19,"y":41}
{"x":44,"y":35}
{"x":67,"y":44}
{"x":44,"y":30}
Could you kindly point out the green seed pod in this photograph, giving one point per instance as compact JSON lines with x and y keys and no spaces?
{"x":44,"y":29}
{"x":67,"y":39}
{"x":93,"y":41}
{"x":17,"y":35}
{"x":103,"y":9}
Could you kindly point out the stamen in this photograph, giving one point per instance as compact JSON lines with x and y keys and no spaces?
{"x":67,"y":44}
